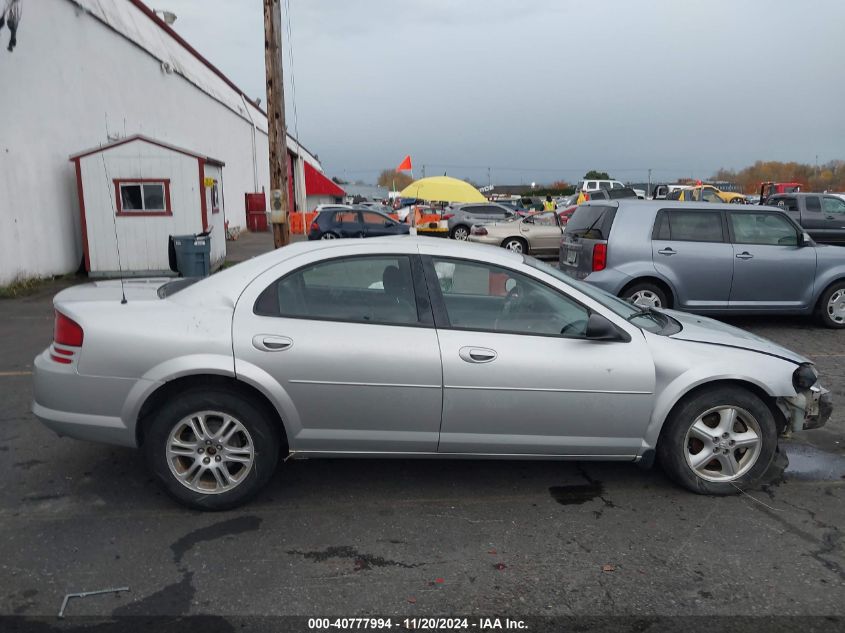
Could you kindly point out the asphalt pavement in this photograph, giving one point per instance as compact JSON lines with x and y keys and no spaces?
{"x":412,"y":538}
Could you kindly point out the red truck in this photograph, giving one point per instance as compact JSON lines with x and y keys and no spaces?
{"x":768,"y":189}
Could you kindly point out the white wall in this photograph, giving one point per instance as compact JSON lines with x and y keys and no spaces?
{"x":71,"y":80}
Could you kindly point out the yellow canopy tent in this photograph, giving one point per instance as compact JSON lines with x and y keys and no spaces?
{"x":442,"y":189}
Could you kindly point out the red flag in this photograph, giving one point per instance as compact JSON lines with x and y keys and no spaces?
{"x":405,"y":165}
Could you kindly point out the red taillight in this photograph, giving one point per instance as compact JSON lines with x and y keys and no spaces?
{"x":67,"y":331}
{"x":448,"y":216}
{"x":315,"y":226}
{"x":60,"y":359}
{"x":599,"y":257}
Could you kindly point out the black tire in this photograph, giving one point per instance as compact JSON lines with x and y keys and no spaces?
{"x":674,"y":444}
{"x":460,"y":229}
{"x":737,"y":201}
{"x":516,"y":240}
{"x":645,"y":288}
{"x":262,"y":430}
{"x":826,"y":315}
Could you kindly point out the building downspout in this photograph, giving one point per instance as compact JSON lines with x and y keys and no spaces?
{"x":254,"y":156}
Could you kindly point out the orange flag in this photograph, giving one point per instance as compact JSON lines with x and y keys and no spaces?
{"x":405,"y":165}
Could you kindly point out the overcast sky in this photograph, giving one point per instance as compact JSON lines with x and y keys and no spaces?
{"x":540,"y":90}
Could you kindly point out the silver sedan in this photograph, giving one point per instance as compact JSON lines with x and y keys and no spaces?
{"x":410,"y":346}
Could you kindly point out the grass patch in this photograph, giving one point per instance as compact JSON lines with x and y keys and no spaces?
{"x":30,"y":285}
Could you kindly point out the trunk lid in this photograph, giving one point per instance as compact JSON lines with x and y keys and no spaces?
{"x":111,"y":290}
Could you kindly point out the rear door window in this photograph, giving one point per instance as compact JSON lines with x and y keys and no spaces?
{"x":377,"y":289}
{"x":592,"y":222}
{"x":813,"y":204}
{"x":689,"y":226}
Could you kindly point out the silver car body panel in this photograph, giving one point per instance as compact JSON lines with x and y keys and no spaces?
{"x":364,"y":389}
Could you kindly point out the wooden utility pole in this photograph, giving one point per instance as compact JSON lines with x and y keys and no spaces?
{"x":277,"y":131}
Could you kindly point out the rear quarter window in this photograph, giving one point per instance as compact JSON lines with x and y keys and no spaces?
{"x":592,"y":222}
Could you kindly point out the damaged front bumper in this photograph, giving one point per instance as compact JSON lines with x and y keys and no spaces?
{"x":809,"y":409}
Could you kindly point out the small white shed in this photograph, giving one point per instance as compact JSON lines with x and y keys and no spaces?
{"x":135,"y":193}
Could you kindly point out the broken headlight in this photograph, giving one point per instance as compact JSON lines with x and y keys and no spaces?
{"x":804,"y":377}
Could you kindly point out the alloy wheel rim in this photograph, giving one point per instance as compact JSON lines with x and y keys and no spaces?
{"x":460,"y":234}
{"x":836,"y":306}
{"x":645,"y":299}
{"x":328,"y":236}
{"x":210,"y":452}
{"x":723,"y":444}
{"x":514,"y":245}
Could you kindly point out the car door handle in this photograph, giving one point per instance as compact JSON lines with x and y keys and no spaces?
{"x":744,"y":255}
{"x":668,"y":251}
{"x":477,"y":354}
{"x":271,"y":343}
{"x":829,"y":217}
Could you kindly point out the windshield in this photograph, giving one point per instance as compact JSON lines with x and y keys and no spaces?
{"x":655,"y":322}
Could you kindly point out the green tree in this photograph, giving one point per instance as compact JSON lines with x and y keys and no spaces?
{"x":596,"y":175}
{"x":390,"y":178}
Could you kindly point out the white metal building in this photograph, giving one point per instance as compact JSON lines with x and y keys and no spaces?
{"x":90,"y":72}
{"x":137,"y":192}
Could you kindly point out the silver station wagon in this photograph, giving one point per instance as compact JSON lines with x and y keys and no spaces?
{"x":410,"y":346}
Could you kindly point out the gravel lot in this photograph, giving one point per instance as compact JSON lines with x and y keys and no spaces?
{"x":410,"y":537}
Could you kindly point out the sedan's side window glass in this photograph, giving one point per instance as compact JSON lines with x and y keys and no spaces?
{"x":834,"y":205}
{"x":545,"y":219}
{"x":490,"y":298}
{"x":357,"y":289}
{"x":763,"y":228}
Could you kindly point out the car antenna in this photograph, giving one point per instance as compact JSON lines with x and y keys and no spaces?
{"x":114,"y":225}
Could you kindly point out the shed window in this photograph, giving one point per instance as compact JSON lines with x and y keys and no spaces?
{"x":143,"y":197}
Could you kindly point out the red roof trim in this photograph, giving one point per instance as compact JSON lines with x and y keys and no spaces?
{"x":316,"y":183}
{"x":151,"y":141}
{"x":167,"y":29}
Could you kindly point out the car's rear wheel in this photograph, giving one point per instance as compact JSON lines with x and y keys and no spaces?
{"x":737,"y":201}
{"x":832,"y":306}
{"x":718,"y":441}
{"x":212,"y":450}
{"x":515,"y":244}
{"x":460,"y":233}
{"x":646,"y":295}
{"x":328,"y":235}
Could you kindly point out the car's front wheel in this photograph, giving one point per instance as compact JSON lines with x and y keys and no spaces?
{"x":328,"y":235}
{"x":212,"y":450}
{"x":718,"y":441}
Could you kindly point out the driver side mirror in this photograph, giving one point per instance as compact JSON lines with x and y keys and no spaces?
{"x":600,"y":328}
{"x":804,"y":239}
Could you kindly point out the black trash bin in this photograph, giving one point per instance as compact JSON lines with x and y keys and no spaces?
{"x":190,"y":255}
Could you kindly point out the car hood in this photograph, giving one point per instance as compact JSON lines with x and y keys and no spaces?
{"x":701,"y":329}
